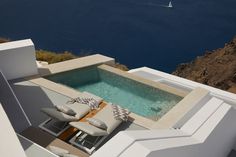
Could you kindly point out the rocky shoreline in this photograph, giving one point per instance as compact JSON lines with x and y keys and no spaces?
{"x":216,"y":68}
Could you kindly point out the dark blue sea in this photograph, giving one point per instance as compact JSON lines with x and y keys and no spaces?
{"x":135,"y":32}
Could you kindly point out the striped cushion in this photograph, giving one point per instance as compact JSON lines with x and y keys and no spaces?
{"x":120,"y":113}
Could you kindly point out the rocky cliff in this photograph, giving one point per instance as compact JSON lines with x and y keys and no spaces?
{"x":216,"y":68}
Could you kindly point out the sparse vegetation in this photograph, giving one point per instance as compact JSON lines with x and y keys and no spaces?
{"x":121,"y":66}
{"x":3,"y":40}
{"x":52,"y":57}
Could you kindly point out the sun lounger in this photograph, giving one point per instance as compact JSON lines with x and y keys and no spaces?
{"x":88,"y":131}
{"x":105,"y":115}
{"x":58,"y":120}
{"x":80,"y":110}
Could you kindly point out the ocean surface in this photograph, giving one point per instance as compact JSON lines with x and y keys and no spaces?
{"x":135,"y":32}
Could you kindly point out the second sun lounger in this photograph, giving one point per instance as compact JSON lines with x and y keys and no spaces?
{"x":106,"y":116}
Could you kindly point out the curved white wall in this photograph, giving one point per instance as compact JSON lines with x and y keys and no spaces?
{"x":218,"y":144}
{"x":211,"y":132}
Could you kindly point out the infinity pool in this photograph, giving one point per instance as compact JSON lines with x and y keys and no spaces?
{"x":139,"y":98}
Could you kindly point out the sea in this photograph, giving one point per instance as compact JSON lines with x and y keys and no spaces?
{"x":135,"y":32}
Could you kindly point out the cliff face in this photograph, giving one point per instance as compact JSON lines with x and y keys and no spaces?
{"x":216,"y":68}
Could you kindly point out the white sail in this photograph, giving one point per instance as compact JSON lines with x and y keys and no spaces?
{"x":170,"y":5}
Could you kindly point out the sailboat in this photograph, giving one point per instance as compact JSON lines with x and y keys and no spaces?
{"x":170,"y":5}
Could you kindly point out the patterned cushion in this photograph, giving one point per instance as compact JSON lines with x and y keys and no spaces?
{"x":98,"y":123}
{"x":65,"y":109}
{"x":91,"y":102}
{"x":120,"y":113}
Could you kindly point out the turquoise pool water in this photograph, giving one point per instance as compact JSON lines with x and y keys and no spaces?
{"x":139,"y":98}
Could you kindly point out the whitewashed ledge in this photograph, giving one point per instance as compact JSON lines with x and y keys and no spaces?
{"x":75,"y":64}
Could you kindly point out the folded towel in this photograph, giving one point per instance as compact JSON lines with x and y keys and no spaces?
{"x":92,"y":103}
{"x":89,"y":99}
{"x":95,"y":97}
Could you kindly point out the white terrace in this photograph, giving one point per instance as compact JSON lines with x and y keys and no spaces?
{"x":202,"y":124}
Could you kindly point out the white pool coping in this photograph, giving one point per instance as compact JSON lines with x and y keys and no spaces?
{"x":226,"y":96}
{"x":157,"y":85}
{"x":77,"y":63}
{"x":171,"y":119}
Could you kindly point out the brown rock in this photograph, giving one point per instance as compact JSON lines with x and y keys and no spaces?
{"x":216,"y":68}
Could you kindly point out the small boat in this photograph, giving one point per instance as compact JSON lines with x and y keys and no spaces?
{"x":170,"y":5}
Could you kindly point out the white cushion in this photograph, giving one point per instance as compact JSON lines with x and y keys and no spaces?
{"x":65,"y":109}
{"x":89,"y":129}
{"x":98,"y":123}
{"x":58,"y":151}
{"x":55,"y":114}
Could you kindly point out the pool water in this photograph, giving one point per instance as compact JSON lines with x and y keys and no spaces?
{"x":139,"y":98}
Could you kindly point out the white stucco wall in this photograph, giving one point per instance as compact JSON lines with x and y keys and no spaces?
{"x":10,"y":145}
{"x":12,"y":106}
{"x":213,"y":135}
{"x":218,"y":144}
{"x":17,"y":59}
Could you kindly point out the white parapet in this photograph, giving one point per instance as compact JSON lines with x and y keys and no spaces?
{"x":10,"y":145}
{"x":17,"y":59}
{"x":209,"y":133}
